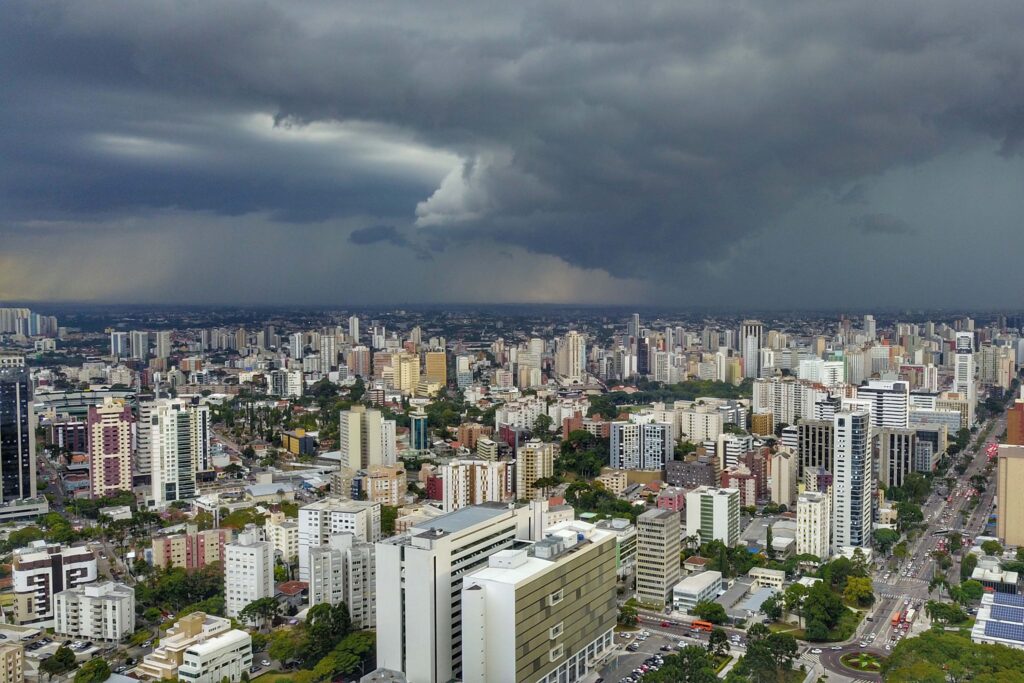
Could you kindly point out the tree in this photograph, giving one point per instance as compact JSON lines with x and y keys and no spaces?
{"x":61,"y":661}
{"x":885,"y":539}
{"x":388,"y":515}
{"x":899,"y":551}
{"x":992,"y":548}
{"x":956,"y":541}
{"x":710,"y":611}
{"x":769,"y":657}
{"x":970,"y":591}
{"x":628,"y":616}
{"x":858,"y":591}
{"x":542,"y":427}
{"x":260,"y":611}
{"x":793,"y":600}
{"x":822,"y":610}
{"x":769,"y":541}
{"x":968,"y":565}
{"x":692,"y":664}
{"x":718,"y":642}
{"x":771,"y":609}
{"x":94,"y":671}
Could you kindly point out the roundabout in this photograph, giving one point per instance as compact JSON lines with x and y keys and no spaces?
{"x":862,"y":662}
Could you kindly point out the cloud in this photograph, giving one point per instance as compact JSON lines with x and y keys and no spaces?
{"x":639,"y":142}
{"x":881,"y":224}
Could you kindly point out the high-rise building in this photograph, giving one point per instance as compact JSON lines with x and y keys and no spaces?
{"x":282,"y":532}
{"x":138,"y":340}
{"x":869,"y":327}
{"x":119,"y":344}
{"x":751,"y":340}
{"x":353,"y":329}
{"x":163,"y":344}
{"x":816,"y":445}
{"x":180,"y":445}
{"x":1015,"y":423}
{"x":191,"y":550}
{"x":641,"y":443}
{"x":784,"y":478}
{"x":420,"y":576}
{"x":657,"y":555}
{"x":17,"y":436}
{"x":558,"y":595}
{"x":896,"y":451}
{"x":890,"y":403}
{"x":474,"y":481}
{"x":571,"y":357}
{"x":534,"y":460}
{"x":1009,"y":502}
{"x":320,"y":520}
{"x":814,"y":524}
{"x":41,"y":570}
{"x":713,"y":514}
{"x":110,"y":447}
{"x":853,"y":481}
{"x":436,"y":367}
{"x":98,"y":611}
{"x":248,"y":572}
{"x":358,"y":362}
{"x":963,"y":372}
{"x":343,"y":571}
{"x":419,"y":434}
{"x":365,"y":438}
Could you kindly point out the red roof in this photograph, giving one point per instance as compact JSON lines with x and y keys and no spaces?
{"x":291,"y":588}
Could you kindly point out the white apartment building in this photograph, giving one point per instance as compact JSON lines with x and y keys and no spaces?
{"x":696,"y":588}
{"x":248,"y":572}
{"x":98,"y":611}
{"x":730,"y":448}
{"x":475,"y":481}
{"x":890,"y":403}
{"x":853,"y":481}
{"x":713,"y":514}
{"x":787,"y":399}
{"x":180,"y":447}
{"x":40,"y":571}
{"x":814,"y":524}
{"x":366,"y":439}
{"x":283,"y":533}
{"x":344,"y":571}
{"x":420,"y":577}
{"x":558,"y":595}
{"x":699,"y":425}
{"x":964,"y":382}
{"x":226,"y":656}
{"x":320,"y":520}
{"x":641,"y":443}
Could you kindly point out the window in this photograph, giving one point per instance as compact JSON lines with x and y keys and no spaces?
{"x":555,"y":598}
{"x":555,"y":631}
{"x":555,"y":653}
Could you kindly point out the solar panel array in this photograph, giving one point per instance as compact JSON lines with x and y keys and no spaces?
{"x":1006,"y":613}
{"x":1008,"y":599}
{"x":1005,"y":631}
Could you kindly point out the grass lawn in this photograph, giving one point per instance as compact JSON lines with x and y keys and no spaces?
{"x":862,"y":661}
{"x":273,"y":676}
{"x":847,"y":625}
{"x":721,"y":661}
{"x":6,"y":599}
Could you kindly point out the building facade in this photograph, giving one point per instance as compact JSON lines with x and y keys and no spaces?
{"x":98,"y":611}
{"x":42,"y":570}
{"x":109,"y":429}
{"x":657,"y":555}
{"x":248,"y":572}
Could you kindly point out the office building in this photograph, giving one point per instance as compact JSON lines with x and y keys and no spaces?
{"x":191,"y":550}
{"x":474,"y":481}
{"x":179,"y":440}
{"x":890,"y":403}
{"x":109,"y":430}
{"x":545,"y":613}
{"x":17,"y":436}
{"x":163,"y":344}
{"x":657,"y":555}
{"x":1009,"y":502}
{"x":713,"y":514}
{"x":641,"y":443}
{"x":97,"y":611}
{"x":366,"y":439}
{"x":814,"y":524}
{"x":696,"y":588}
{"x":188,"y":632}
{"x":751,"y":341}
{"x":784,"y":478}
{"x":534,"y":460}
{"x":420,"y":576}
{"x":320,"y":520}
{"x":248,"y":572}
{"x":853,"y":482}
{"x":225,"y":657}
{"x":436,"y":367}
{"x":625,"y":544}
{"x":816,"y":445}
{"x":41,"y":570}
{"x":419,"y":435}
{"x":282,"y":532}
{"x":12,"y":663}
{"x":964,"y":382}
{"x":344,"y":571}
{"x":897,"y":450}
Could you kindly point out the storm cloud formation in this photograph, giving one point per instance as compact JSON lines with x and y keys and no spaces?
{"x":661,"y":150}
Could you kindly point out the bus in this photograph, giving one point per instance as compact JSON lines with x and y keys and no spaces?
{"x":909,"y":618}
{"x":701,"y":626}
{"x":897,"y":617}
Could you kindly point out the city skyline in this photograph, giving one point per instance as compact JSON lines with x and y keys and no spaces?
{"x":300,"y":153}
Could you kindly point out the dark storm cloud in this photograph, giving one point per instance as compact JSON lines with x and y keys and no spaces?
{"x":635,"y":138}
{"x":881,"y":224}
{"x":378,"y":233}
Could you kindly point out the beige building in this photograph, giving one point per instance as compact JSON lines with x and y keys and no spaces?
{"x":406,"y":372}
{"x":487,"y":448}
{"x":545,"y":614}
{"x":191,"y":550}
{"x":535,"y":460}
{"x":12,"y":663}
{"x":283,"y":533}
{"x":657,"y":556}
{"x":192,"y":629}
{"x":1010,"y":504}
{"x":385,"y":485}
{"x":615,"y":481}
{"x":436,"y":367}
{"x":110,"y":447}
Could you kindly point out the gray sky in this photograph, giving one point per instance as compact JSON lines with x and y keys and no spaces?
{"x":779,"y":154}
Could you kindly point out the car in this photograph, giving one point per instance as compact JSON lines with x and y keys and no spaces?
{"x":264,"y":662}
{"x":626,"y":635}
{"x":888,"y":647}
{"x":120,"y":669}
{"x":665,"y":624}
{"x":632,"y":647}
{"x":681,"y":644}
{"x":816,"y":651}
{"x":863,"y":644}
{"x":665,"y":648}
{"x":835,"y":647}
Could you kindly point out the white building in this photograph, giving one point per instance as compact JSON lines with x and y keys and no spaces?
{"x":420,"y":577}
{"x":699,"y":424}
{"x":814,"y":524}
{"x":98,"y":611}
{"x":39,"y":571}
{"x":696,"y":588}
{"x":558,"y":595}
{"x":228,"y":655}
{"x":713,"y":514}
{"x":179,"y":440}
{"x":641,"y":443}
{"x":248,"y":572}
{"x":964,"y":381}
{"x":890,"y":403}
{"x":853,"y":481}
{"x":320,"y":520}
{"x":343,"y":571}
{"x":283,"y":533}
{"x":784,"y":477}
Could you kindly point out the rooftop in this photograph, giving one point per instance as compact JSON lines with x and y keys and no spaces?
{"x":463,"y":518}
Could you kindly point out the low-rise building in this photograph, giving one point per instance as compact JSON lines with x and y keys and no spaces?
{"x":163,"y":662}
{"x":696,"y":588}
{"x":191,"y":550}
{"x":224,"y":657}
{"x":767,"y":578}
{"x":98,"y":611}
{"x":12,"y":663}
{"x":615,"y":481}
{"x":1000,"y":620}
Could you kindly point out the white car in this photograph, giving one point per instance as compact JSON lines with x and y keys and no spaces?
{"x":816,"y":651}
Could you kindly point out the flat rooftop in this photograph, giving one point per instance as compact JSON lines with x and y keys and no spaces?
{"x":463,"y":518}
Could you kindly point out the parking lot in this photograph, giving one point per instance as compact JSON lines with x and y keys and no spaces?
{"x":635,"y":650}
